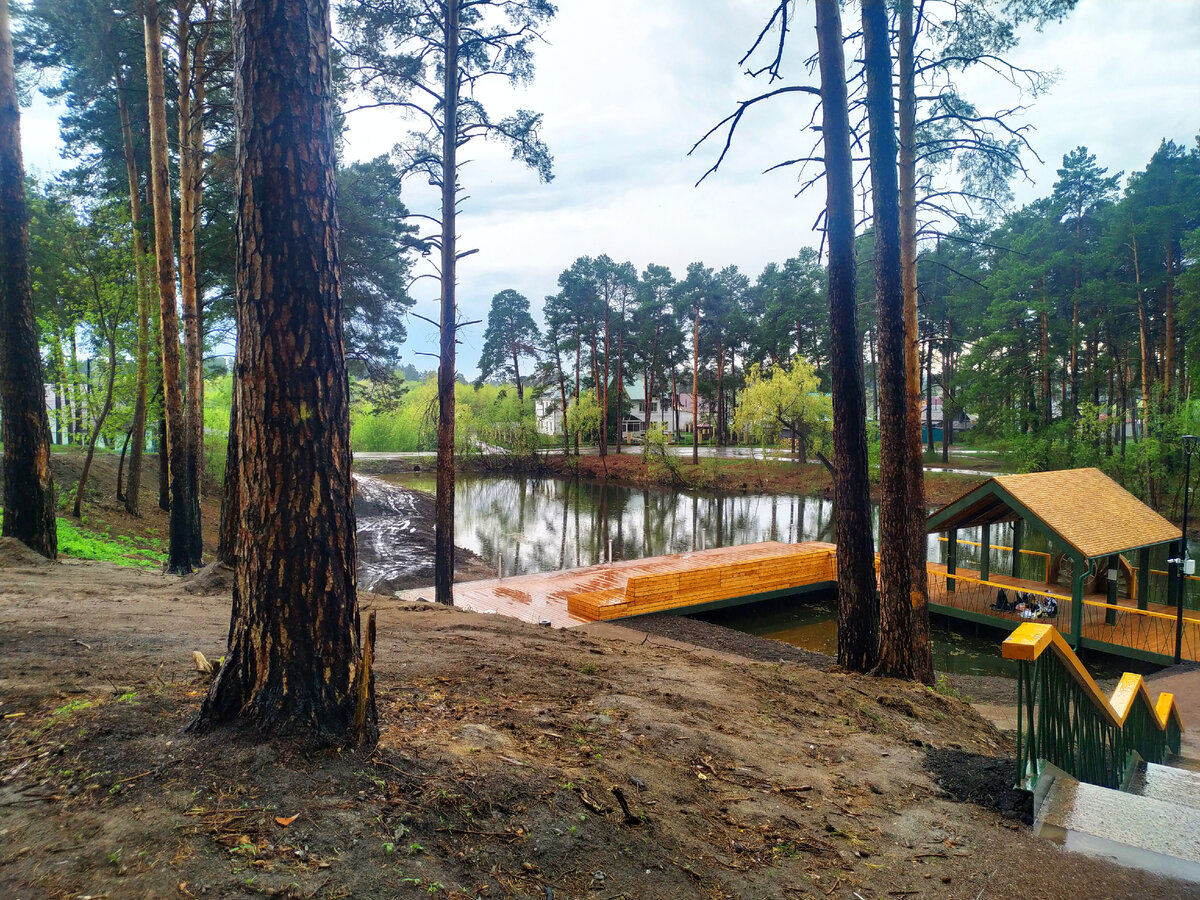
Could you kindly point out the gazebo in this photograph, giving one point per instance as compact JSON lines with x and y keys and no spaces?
{"x":1086,"y":517}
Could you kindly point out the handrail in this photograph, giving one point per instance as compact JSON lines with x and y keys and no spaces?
{"x":1065,"y":598}
{"x":1072,"y":725}
{"x":1048,"y":556}
{"x":1170,"y":617}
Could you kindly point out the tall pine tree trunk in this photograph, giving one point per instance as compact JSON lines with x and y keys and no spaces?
{"x":922,"y":653}
{"x":191,"y":150}
{"x":230,"y":493}
{"x":137,"y":433}
{"x":858,"y":605}
{"x":179,"y":552}
{"x":895,"y":546}
{"x":443,"y":551}
{"x":24,"y":425}
{"x":295,"y":665}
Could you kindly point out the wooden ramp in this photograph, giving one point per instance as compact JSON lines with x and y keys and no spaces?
{"x":691,"y":582}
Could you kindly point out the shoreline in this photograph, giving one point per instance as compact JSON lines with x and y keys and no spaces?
{"x":711,"y":475}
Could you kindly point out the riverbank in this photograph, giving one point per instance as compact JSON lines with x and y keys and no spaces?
{"x":715,"y":475}
{"x":502,"y":744}
{"x":395,"y":525}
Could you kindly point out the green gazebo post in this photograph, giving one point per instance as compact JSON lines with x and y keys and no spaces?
{"x":951,"y":559}
{"x":1143,"y":583}
{"x":985,"y":552}
{"x":1079,"y":573}
{"x":1017,"y":540}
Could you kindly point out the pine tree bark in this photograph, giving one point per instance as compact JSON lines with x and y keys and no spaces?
{"x":696,"y":386}
{"x":137,"y":434}
{"x":295,"y":664}
{"x":858,"y":605}
{"x":179,"y":551}
{"x":191,"y":149}
{"x":922,"y":652}
{"x":895,"y":545}
{"x":443,"y":552}
{"x":230,"y":494}
{"x":24,"y":424}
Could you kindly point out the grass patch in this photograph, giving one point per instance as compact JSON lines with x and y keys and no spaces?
{"x":81,"y":543}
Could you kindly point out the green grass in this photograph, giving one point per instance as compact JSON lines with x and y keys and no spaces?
{"x":82,"y":543}
{"x":79,"y":542}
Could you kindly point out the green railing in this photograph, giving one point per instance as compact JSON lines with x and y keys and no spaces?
{"x":1064,"y":719}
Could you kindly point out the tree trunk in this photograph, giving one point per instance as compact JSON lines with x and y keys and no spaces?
{"x":517,"y":376}
{"x":922,"y":653}
{"x":858,"y":605}
{"x":230,"y":494}
{"x":620,"y":379}
{"x":179,"y":553}
{"x":1142,"y":326}
{"x":24,"y":425}
{"x":895,"y":544}
{"x":295,"y":664}
{"x":696,"y":388}
{"x":443,"y":553}
{"x":77,"y":509}
{"x":602,"y":390}
{"x":1169,"y":330}
{"x":1044,"y":353}
{"x":674,"y":403}
{"x":121,"y":467}
{"x":191,"y":150}
{"x":137,"y":434}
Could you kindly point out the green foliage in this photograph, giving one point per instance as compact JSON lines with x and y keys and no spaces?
{"x":583,"y":416}
{"x":782,"y":398}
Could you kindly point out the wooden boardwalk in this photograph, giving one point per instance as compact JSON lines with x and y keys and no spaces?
{"x":728,"y":576}
{"x":682,"y":581}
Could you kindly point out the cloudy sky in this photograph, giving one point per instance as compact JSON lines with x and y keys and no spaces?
{"x":626,"y":87}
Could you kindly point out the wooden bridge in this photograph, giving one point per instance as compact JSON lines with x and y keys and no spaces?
{"x":1089,"y":520}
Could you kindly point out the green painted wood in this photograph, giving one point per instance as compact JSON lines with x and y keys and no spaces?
{"x":1017,"y":540}
{"x":985,"y":552}
{"x":952,"y":560}
{"x":1079,"y":573}
{"x":1143,"y":588}
{"x":1114,"y":568}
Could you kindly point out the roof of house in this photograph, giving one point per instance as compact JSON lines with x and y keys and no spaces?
{"x":1083,"y":508}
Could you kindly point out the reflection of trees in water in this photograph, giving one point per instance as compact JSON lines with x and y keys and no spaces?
{"x":533,"y":525}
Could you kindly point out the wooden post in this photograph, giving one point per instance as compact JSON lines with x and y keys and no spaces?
{"x":951,"y":559}
{"x":1079,"y":572}
{"x":985,"y":553}
{"x":1018,"y":535}
{"x":1143,"y":583}
{"x":1114,"y":571}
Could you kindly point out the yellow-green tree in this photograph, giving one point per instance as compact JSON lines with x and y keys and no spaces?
{"x":786,"y":397}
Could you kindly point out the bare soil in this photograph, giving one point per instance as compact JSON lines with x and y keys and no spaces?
{"x":502,"y":744}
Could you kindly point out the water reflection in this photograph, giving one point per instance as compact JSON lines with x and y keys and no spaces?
{"x":526,"y":525}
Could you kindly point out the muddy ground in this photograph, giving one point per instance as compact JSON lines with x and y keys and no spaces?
{"x":502,"y":744}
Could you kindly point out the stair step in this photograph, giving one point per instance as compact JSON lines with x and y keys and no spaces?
{"x":1141,"y":832}
{"x":1175,"y":785}
{"x":1190,"y":763}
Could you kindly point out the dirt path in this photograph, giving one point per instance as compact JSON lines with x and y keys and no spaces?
{"x":502,"y":744}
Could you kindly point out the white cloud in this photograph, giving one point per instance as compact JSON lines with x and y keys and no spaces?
{"x":626,"y":87}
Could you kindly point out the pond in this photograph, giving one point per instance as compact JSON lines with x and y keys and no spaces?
{"x":523,"y":525}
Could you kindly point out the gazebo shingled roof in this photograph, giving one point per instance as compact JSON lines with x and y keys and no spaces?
{"x":1084,"y":508}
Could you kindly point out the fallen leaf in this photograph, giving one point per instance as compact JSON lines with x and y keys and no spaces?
{"x":288,"y":820}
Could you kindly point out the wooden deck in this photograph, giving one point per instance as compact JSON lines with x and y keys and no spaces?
{"x":728,"y":576}
{"x":1117,"y":628}
{"x":683,"y":581}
